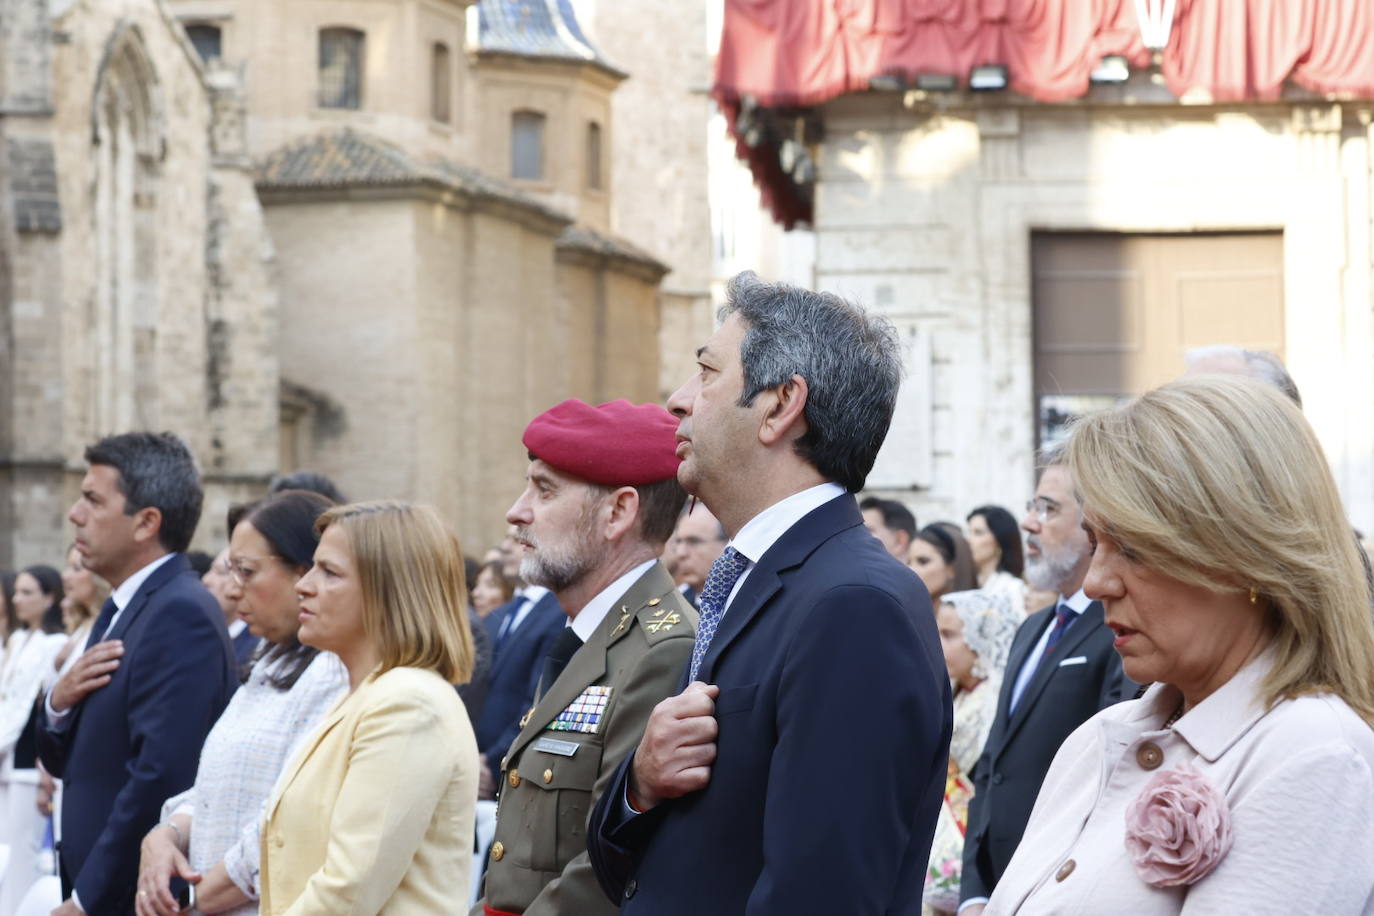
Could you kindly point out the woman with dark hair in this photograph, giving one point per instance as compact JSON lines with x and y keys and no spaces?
{"x":210,"y":833}
{"x":994,"y":539}
{"x":941,"y":558}
{"x":8,"y":622}
{"x":28,"y":658}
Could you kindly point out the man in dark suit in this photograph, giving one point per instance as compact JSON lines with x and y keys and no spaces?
{"x":802,"y":768}
{"x":125,"y":725}
{"x":522,"y":631}
{"x":1061,"y":670}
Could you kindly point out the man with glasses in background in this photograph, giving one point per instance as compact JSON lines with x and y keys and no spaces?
{"x":1061,"y":670}
{"x":698,"y":539}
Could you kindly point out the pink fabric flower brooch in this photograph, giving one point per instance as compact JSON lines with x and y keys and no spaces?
{"x":1178,"y":829}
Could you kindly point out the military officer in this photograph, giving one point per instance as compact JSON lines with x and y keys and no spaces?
{"x":601,"y":500}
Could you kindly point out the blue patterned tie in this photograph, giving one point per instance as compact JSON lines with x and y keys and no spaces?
{"x":725,"y":572}
{"x":1064,"y":618}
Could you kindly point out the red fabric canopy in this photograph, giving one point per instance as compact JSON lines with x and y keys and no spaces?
{"x":803,"y":52}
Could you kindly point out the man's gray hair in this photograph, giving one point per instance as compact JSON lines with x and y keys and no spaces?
{"x":1260,"y":365}
{"x":850,"y":360}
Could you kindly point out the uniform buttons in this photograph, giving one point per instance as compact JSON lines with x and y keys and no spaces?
{"x":514,"y":778}
{"x":1149,"y":756}
{"x":653,"y":602}
{"x":548,"y":776}
{"x":1065,"y":870}
{"x":630,"y":887}
{"x":497,"y":851}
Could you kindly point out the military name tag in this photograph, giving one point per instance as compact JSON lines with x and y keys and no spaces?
{"x":584,"y":713}
{"x":554,"y":746}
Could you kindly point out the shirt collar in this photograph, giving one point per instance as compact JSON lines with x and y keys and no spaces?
{"x":763,"y":530}
{"x":533,"y":594}
{"x":130,"y":586}
{"x":595,"y":611}
{"x":1219,"y":721}
{"x":1078,"y":602}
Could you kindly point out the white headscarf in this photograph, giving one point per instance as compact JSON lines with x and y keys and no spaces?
{"x":990,"y":624}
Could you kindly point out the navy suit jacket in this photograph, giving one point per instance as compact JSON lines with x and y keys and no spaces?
{"x":1023,"y":742}
{"x":829,"y":667}
{"x":135,"y":742}
{"x":244,"y":644}
{"x":515,"y":668}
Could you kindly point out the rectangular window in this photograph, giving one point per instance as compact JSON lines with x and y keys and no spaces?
{"x":341,"y":68}
{"x":206,"y":39}
{"x":441,"y":83}
{"x":594,"y":156}
{"x":527,"y":145}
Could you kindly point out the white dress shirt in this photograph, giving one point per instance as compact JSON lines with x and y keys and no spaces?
{"x":121,"y":596}
{"x":595,"y":611}
{"x":762,"y":531}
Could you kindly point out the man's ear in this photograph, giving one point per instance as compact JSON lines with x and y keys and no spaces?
{"x":786,"y":418}
{"x":622,"y":512}
{"x":147,"y":524}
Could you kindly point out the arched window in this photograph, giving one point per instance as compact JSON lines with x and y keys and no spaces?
{"x":129,"y":138}
{"x":341,"y":68}
{"x":207,"y":40}
{"x":594,"y":156}
{"x":440,"y":83}
{"x":527,"y":145}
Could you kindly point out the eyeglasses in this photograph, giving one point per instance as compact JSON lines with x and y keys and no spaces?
{"x":244,"y":574}
{"x":1042,"y":509}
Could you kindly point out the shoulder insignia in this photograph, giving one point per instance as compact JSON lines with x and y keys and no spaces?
{"x":666,"y":616}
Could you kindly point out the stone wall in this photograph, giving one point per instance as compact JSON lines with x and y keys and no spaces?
{"x":926,"y":214}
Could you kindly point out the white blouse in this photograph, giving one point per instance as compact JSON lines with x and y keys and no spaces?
{"x":1296,"y":779}
{"x":239,"y":764}
{"x":28,"y":659}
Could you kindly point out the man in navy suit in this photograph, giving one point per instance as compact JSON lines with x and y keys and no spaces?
{"x":1061,"y":670}
{"x":125,"y":725}
{"x":802,"y":768}
{"x":522,"y":631}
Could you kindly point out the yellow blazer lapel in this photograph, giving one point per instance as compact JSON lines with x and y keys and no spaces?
{"x":307,"y":747}
{"x":589,"y":664}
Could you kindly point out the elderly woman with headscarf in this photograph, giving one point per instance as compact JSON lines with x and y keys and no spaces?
{"x":976,"y":631}
{"x":1240,"y":782}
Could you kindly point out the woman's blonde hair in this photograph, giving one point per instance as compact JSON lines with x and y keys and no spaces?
{"x":410,"y":568}
{"x":1219,"y":482}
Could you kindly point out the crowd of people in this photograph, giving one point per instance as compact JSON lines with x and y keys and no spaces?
{"x":703,"y":673}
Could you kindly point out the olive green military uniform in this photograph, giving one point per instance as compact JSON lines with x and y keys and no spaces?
{"x":570,"y":745}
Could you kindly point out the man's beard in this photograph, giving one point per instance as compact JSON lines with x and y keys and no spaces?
{"x":564,"y":565}
{"x":1050,"y":567}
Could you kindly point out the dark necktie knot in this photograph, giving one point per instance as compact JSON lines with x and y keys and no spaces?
{"x":102,"y":622}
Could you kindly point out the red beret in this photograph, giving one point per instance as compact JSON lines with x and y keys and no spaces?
{"x":617,"y":444}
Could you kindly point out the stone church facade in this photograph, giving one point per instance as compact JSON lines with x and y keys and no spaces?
{"x":134,"y":277}
{"x":368,"y":239}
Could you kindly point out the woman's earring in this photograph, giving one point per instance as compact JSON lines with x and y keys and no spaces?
{"x":1254,"y":596}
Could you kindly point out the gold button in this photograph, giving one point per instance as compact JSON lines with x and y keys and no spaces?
{"x":497,"y":851}
{"x":514,"y":778}
{"x":653,"y":602}
{"x":548,"y":775}
{"x":1149,"y":756}
{"x":1065,"y":870}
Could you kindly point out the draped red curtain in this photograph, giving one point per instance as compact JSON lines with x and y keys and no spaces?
{"x":803,"y":52}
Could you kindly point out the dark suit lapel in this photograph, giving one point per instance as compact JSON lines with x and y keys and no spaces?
{"x":176,"y":566}
{"x":790,"y":550}
{"x":1073,"y":637}
{"x":1025,"y":641}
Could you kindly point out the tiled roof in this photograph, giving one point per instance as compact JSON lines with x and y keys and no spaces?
{"x":535,"y":28}
{"x":347,"y":159}
{"x":609,"y":246}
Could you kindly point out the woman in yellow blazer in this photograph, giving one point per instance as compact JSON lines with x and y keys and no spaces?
{"x":374,"y":812}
